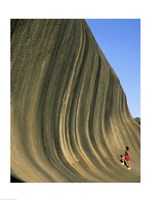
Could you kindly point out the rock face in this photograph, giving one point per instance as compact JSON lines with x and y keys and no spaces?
{"x":69,"y":116}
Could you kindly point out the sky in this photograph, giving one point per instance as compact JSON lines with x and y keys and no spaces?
{"x":119,"y":40}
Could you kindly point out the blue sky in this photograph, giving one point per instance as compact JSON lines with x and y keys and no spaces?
{"x":119,"y":39}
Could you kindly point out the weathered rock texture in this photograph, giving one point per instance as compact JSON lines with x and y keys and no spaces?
{"x":69,"y":116}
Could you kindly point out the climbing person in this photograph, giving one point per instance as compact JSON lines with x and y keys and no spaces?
{"x":126,"y":158}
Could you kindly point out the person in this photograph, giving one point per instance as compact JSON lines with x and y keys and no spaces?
{"x":126,"y":158}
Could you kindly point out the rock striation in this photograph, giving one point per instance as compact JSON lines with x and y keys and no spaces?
{"x":69,"y":116}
